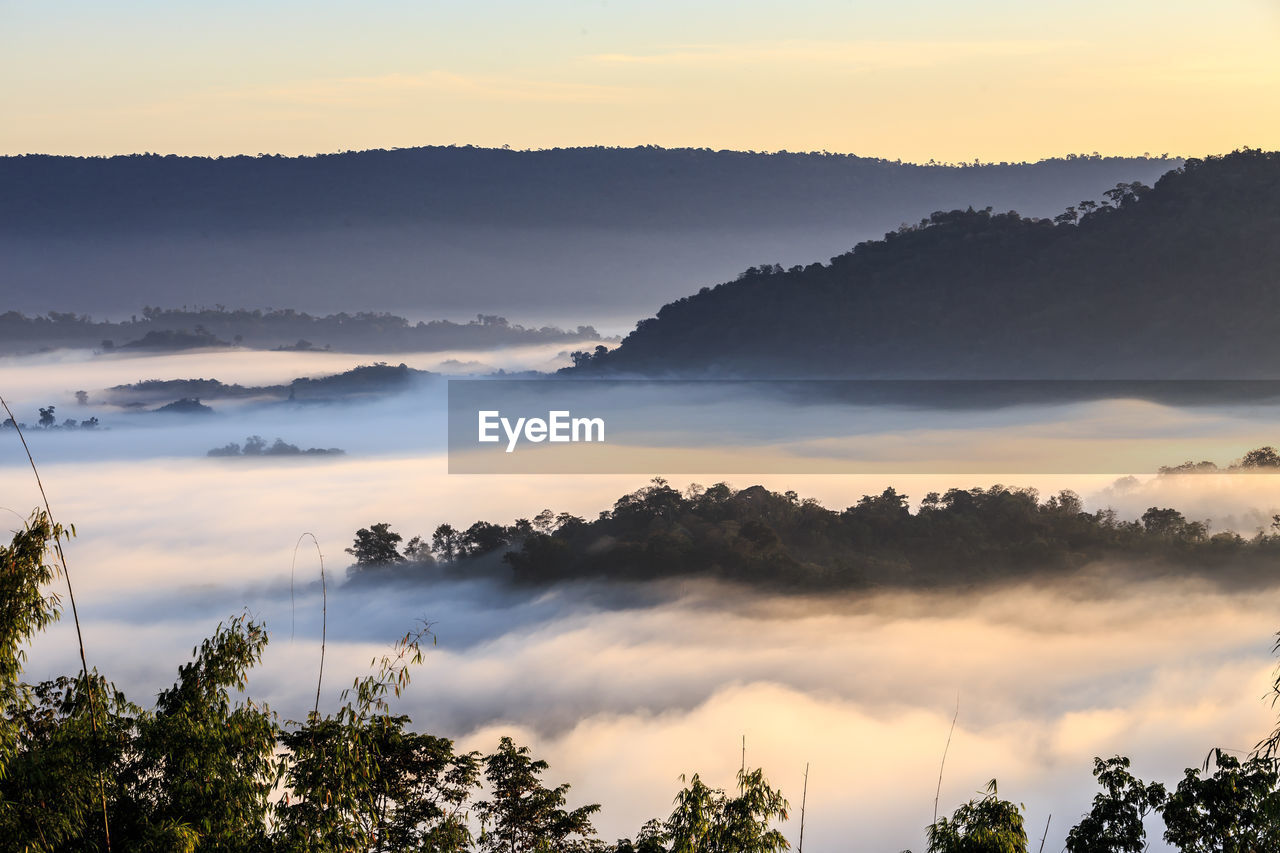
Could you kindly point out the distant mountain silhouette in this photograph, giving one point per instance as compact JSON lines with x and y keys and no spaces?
{"x":283,"y":329}
{"x":366,"y":380}
{"x":1175,"y":281}
{"x":560,"y":236}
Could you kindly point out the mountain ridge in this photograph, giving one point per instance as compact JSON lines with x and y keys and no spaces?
{"x":1179,"y":280}
{"x":597,"y":235}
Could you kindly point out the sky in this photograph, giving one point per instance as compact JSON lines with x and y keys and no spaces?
{"x":915,"y":80}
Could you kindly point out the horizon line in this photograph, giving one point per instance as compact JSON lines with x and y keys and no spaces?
{"x":977,"y":162}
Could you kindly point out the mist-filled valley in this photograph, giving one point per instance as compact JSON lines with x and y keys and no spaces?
{"x":623,"y":685}
{"x":971,"y":475}
{"x":602,"y":427}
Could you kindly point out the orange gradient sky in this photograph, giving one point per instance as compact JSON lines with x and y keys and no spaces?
{"x":991,"y":79}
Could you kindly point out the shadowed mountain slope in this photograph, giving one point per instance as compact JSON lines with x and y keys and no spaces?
{"x":1175,"y":281}
{"x":561,"y":236}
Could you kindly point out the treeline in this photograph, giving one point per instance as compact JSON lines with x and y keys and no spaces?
{"x":1233,"y":809}
{"x":256,"y":445}
{"x":160,"y":329}
{"x":1260,"y":459}
{"x":580,"y":233}
{"x":781,"y":542}
{"x":84,"y":769}
{"x":48,"y":420}
{"x":363,"y":380}
{"x":645,"y":186}
{"x":1170,"y":281}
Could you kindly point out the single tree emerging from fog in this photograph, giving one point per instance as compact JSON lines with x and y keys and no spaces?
{"x":1263,"y":457}
{"x":444,"y":542}
{"x":376,"y":545}
{"x":416,"y":550}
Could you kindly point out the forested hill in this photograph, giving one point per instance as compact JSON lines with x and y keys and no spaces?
{"x":780,"y":542}
{"x":580,"y":235}
{"x":627,"y":187}
{"x":1178,"y":280}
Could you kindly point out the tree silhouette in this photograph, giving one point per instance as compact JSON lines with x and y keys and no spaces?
{"x":445,"y":542}
{"x":521,"y":814}
{"x":1236,"y":810}
{"x":1114,"y":824}
{"x":1263,"y":457}
{"x":985,"y":825}
{"x":376,"y":545}
{"x":708,"y":820}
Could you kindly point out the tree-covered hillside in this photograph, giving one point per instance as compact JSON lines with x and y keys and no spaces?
{"x":563,"y":235}
{"x":647,"y":186}
{"x":779,"y":542}
{"x":1178,"y":280}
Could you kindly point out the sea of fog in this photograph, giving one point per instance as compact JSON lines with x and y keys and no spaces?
{"x":624,"y":688}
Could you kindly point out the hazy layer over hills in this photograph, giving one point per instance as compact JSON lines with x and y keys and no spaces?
{"x":160,"y":329}
{"x":576,"y":235}
{"x":1176,"y":281}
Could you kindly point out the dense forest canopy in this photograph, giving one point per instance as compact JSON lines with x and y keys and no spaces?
{"x":1176,"y":280}
{"x":782,"y":543}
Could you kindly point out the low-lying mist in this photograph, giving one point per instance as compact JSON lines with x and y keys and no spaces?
{"x":623,"y":687}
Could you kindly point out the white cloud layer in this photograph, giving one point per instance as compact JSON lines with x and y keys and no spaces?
{"x":624,"y":688}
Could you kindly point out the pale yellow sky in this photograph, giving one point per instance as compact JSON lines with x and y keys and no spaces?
{"x":992,"y":80}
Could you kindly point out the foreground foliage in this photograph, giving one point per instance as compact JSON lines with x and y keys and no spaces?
{"x":203,"y":771}
{"x":985,"y":825}
{"x":1115,"y":823}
